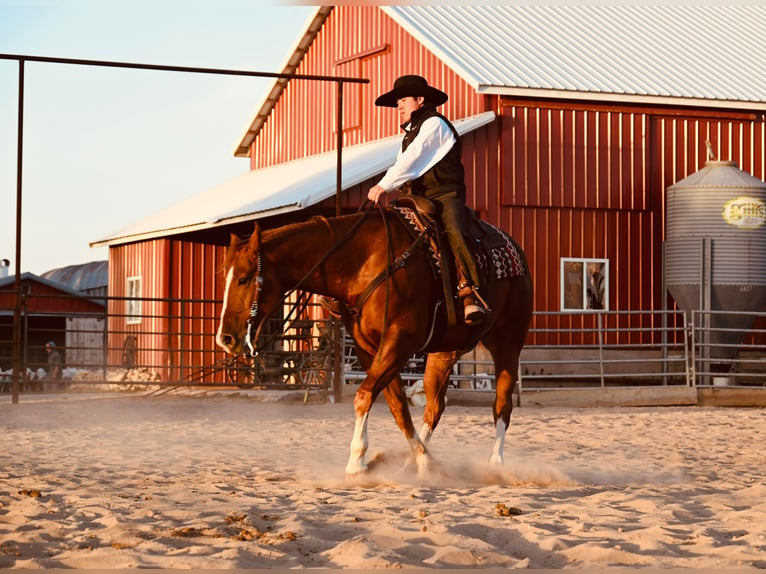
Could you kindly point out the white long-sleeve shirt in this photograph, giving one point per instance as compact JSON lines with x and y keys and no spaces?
{"x":431,"y":144}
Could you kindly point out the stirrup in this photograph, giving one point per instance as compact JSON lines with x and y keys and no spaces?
{"x":474,"y":306}
{"x":473,"y":313}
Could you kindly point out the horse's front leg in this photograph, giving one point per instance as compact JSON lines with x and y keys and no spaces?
{"x":359,"y":443}
{"x":365,"y":397}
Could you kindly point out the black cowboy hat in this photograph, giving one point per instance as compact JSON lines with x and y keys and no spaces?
{"x":411,"y":86}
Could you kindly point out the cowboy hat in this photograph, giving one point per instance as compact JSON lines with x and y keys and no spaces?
{"x":411,"y":86}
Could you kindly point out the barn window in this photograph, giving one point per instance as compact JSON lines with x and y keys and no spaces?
{"x":584,"y":284}
{"x":133,"y":303}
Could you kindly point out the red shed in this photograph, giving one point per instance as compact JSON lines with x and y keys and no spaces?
{"x":575,"y":120}
{"x":50,"y":311}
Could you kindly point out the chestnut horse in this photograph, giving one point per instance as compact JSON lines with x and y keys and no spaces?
{"x":390,"y":298}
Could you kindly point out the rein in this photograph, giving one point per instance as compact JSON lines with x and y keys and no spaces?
{"x":300,"y":305}
{"x":303,"y":301}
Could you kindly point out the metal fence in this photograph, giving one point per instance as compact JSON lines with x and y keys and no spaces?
{"x":177,"y":347}
{"x":162,"y":342}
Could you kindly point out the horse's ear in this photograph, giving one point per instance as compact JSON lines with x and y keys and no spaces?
{"x":233,"y":240}
{"x":255,"y":239}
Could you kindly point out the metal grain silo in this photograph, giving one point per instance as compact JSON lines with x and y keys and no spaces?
{"x":716,"y":249}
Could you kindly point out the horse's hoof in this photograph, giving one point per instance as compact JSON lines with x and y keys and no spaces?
{"x":353,"y":470}
{"x":496,"y":460}
{"x":423,"y":463}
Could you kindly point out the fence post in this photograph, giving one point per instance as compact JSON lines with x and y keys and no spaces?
{"x":691,"y":371}
{"x":600,"y":349}
{"x":105,"y":341}
{"x":181,"y":342}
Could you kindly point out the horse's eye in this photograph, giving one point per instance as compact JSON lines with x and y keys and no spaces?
{"x":242,"y":281}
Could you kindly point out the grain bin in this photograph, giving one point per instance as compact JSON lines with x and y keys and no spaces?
{"x":716,"y":249}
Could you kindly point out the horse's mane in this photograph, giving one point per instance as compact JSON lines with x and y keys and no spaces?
{"x":273,"y":234}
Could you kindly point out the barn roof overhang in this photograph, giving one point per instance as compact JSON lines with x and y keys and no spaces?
{"x":605,"y":97}
{"x":274,"y":190}
{"x":294,"y":57}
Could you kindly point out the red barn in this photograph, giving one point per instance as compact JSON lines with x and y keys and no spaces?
{"x":574,"y":119}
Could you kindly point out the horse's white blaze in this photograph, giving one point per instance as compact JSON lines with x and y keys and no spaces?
{"x":358,"y":447}
{"x":496,"y":458}
{"x":219,"y":335}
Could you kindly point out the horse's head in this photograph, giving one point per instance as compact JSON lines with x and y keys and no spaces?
{"x":244,"y":303}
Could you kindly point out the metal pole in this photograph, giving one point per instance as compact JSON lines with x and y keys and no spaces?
{"x":192,"y":69}
{"x":17,"y":366}
{"x":337,"y":391}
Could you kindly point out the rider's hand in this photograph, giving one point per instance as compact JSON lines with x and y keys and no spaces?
{"x":375,"y":193}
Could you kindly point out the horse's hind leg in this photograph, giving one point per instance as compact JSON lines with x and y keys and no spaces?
{"x":506,"y":369}
{"x":505,"y":341}
{"x":435,"y":381}
{"x":397,"y":404}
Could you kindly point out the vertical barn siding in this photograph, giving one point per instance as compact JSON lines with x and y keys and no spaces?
{"x":569,"y":157}
{"x":303,"y":122}
{"x":186,"y":275}
{"x":196,"y":286}
{"x":589,"y":181}
{"x":150,"y":261}
{"x":574,"y":185}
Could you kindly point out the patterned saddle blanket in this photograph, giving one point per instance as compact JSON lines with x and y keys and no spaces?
{"x":493,"y":249}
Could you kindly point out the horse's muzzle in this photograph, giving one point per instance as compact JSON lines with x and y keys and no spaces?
{"x":229,"y":343}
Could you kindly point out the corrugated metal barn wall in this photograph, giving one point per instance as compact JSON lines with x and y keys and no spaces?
{"x":148,"y":260}
{"x":574,"y":184}
{"x":196,"y":281}
{"x":188,"y":273}
{"x":590,"y":182}
{"x":355,"y":41}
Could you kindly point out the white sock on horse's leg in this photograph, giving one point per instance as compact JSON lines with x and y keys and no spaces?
{"x":358,"y":447}
{"x":425,"y":434}
{"x":496,"y":458}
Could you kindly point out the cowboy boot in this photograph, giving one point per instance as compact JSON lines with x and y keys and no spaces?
{"x":473,"y":312}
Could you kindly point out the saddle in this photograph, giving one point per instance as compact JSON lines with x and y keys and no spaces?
{"x":481,"y":238}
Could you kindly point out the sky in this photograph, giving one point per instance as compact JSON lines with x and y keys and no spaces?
{"x":106,"y":147}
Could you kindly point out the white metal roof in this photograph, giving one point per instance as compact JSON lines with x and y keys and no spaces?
{"x":705,"y":54}
{"x":273,"y":190}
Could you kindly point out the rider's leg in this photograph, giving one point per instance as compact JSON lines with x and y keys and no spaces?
{"x":453,"y":220}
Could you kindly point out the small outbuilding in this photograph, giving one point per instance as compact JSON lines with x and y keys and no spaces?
{"x":51,"y":311}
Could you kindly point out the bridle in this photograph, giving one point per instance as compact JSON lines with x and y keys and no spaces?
{"x":254,"y":306}
{"x":301,"y":304}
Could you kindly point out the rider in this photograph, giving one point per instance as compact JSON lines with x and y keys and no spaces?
{"x":429,"y":164}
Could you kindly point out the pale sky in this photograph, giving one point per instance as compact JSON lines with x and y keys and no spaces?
{"x":106,"y":147}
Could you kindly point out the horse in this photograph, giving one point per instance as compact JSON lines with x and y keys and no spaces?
{"x":392,"y":310}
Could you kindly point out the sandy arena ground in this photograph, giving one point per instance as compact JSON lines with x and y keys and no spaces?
{"x":133,"y":481}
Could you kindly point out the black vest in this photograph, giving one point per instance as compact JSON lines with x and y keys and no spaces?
{"x":448,"y":175}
